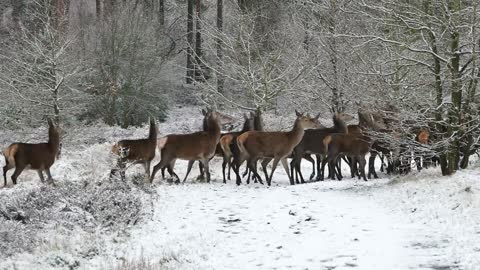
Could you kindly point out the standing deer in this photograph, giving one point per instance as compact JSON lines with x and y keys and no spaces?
{"x":227,"y":139}
{"x":39,"y":157}
{"x":140,"y":151}
{"x":194,"y":146}
{"x":255,"y":145}
{"x":355,"y":145}
{"x":312,"y":143}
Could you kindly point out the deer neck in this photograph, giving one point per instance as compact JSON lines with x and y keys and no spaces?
{"x":213,"y":128}
{"x":54,"y":140}
{"x":152,"y":134}
{"x":339,"y":125}
{"x":247,"y":126}
{"x":296,"y":134}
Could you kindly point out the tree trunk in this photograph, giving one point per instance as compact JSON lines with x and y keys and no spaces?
{"x":108,"y":6}
{"x":98,"y":9}
{"x":161,"y":12}
{"x":220,"y":76}
{"x":61,"y":14}
{"x":454,"y":118}
{"x":189,"y":76}
{"x":199,"y":76}
{"x":337,"y":102}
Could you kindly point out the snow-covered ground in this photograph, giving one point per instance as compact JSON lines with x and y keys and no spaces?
{"x":419,"y":221}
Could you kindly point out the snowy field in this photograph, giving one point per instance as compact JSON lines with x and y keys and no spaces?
{"x":419,"y":221}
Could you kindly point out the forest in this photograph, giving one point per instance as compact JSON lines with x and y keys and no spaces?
{"x":357,"y":87}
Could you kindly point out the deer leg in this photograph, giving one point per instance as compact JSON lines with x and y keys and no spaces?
{"x":285,"y":167}
{"x":5,"y":170}
{"x":338,"y":165}
{"x":298,"y":168}
{"x":49,"y":177}
{"x":189,"y":168}
{"x":146,"y":164}
{"x":160,"y":165}
{"x":201,"y":176}
{"x":237,"y":162}
{"x":252,"y":166}
{"x":229,"y":160}
{"x":224,"y":165}
{"x":274,"y":166}
{"x":293,"y":168}
{"x":362,"y":162}
{"x":371,"y":165}
{"x":206,"y":169}
{"x":16,"y":173}
{"x":40,"y":174}
{"x":312,"y":160}
{"x":331,"y":167}
{"x":321,"y":173}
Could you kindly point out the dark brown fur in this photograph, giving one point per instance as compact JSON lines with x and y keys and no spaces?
{"x":355,"y":146}
{"x":39,"y":157}
{"x":195,"y":146}
{"x":311,"y":143}
{"x":255,"y":145}
{"x":140,"y":151}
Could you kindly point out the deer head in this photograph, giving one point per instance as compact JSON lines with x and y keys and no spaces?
{"x":306,"y":121}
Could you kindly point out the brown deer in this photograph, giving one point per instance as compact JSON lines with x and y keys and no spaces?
{"x":227,"y":139}
{"x":39,"y":157}
{"x":194,"y":146}
{"x":353,"y":145}
{"x":312,"y":143}
{"x":255,"y":145}
{"x":140,"y":151}
{"x":422,"y":138}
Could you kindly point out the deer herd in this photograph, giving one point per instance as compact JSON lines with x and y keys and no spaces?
{"x":307,"y":137}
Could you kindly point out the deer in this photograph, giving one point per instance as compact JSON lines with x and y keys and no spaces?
{"x":139,"y":151}
{"x":227,"y":139}
{"x":255,"y":145}
{"x":312,"y":143}
{"x":194,"y":146}
{"x":355,"y":145}
{"x":423,"y":138}
{"x":39,"y":157}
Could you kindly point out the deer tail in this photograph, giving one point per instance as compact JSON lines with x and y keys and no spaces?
{"x":225,"y":144}
{"x":115,"y":149}
{"x":326,"y":141}
{"x":9,"y":154}
{"x":240,"y":145}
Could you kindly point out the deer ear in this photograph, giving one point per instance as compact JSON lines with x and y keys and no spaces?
{"x":318,"y":116}
{"x":298,"y":113}
{"x":50,"y":123}
{"x":252,"y":114}
{"x":204,"y":112}
{"x":245,"y":116}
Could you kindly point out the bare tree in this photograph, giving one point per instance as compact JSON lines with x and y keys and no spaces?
{"x":38,"y":69}
{"x":438,"y":39}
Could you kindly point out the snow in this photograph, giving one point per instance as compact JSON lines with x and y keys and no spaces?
{"x":418,"y":221}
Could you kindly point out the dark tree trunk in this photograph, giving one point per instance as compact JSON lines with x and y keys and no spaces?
{"x":61,"y":14}
{"x":189,"y":77}
{"x":220,"y":77}
{"x":98,"y":9}
{"x":199,"y":76}
{"x":161,"y":12}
